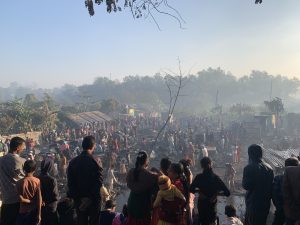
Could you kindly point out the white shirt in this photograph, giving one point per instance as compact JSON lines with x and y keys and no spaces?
{"x":204,"y":152}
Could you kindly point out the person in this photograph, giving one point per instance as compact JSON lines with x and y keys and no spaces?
{"x":11,"y":170}
{"x":257,"y":181}
{"x":111,"y":179}
{"x":175,"y":173}
{"x":2,"y":149}
{"x":277,"y":193}
{"x":104,"y":196}
{"x":29,"y":191}
{"x":63,"y":165}
{"x":165,"y":164}
{"x":230,"y":176}
{"x":204,"y":151}
{"x":208,"y":185}
{"x":291,"y":195}
{"x":84,"y":183}
{"x":141,"y":183}
{"x":170,"y":201}
{"x":49,"y":191}
{"x":180,"y":181}
{"x":122,"y":219}
{"x":234,"y":154}
{"x":231,"y":218}
{"x":191,"y":153}
{"x":66,"y":211}
{"x":108,"y":214}
{"x":190,"y":201}
{"x":123,"y":169}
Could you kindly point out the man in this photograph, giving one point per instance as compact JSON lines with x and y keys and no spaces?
{"x":291,"y":195}
{"x":209,"y":186}
{"x":11,"y":171}
{"x":277,"y":194}
{"x":84,"y":183}
{"x":257,"y":181}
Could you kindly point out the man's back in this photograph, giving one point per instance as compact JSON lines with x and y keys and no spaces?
{"x":209,"y":184}
{"x":258,"y":180}
{"x":11,"y":170}
{"x":291,"y":192}
{"x":84,"y":177}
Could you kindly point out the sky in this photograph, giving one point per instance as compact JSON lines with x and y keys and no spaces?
{"x":50,"y":43}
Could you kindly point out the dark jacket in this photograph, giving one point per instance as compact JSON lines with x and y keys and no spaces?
{"x":84,"y":178}
{"x":277,"y":195}
{"x":50,"y":194}
{"x":257,"y":181}
{"x":107,"y":217}
{"x":208,"y":185}
{"x":291,"y":192}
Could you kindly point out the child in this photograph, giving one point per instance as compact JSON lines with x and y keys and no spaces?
{"x":67,"y":212}
{"x":107,"y":216}
{"x":122,"y":218}
{"x":171,"y":202}
{"x":29,"y":191}
{"x":231,"y":219}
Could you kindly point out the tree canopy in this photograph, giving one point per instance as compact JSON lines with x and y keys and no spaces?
{"x":150,"y":92}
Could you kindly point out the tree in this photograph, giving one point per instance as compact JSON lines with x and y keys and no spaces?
{"x":275,"y":106}
{"x":110,"y":105}
{"x":30,"y":100}
{"x":138,"y":8}
{"x":174,"y":83}
{"x":16,"y":116}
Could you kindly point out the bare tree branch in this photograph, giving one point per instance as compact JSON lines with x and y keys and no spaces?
{"x":173,"y":97}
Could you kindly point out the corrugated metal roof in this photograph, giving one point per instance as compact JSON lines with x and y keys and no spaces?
{"x":89,"y":117}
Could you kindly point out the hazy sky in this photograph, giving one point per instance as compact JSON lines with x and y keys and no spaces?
{"x":49,"y":43}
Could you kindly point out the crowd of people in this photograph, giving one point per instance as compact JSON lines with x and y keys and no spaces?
{"x":164,"y":195}
{"x":158,"y":196}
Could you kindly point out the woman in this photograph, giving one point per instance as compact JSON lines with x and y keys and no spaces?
{"x":189,"y":178}
{"x":141,"y":183}
{"x":178,"y":180}
{"x":50,"y":193}
{"x":165,"y":164}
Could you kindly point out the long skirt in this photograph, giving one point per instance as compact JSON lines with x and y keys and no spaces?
{"x":134,"y":221}
{"x":161,"y":222}
{"x":139,"y":208}
{"x":155,"y":216}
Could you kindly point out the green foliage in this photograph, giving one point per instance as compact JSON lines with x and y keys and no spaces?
{"x":150,"y":92}
{"x":21,"y":116}
{"x":110,"y":105}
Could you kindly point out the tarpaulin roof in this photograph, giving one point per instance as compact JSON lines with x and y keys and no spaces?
{"x":89,"y":117}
